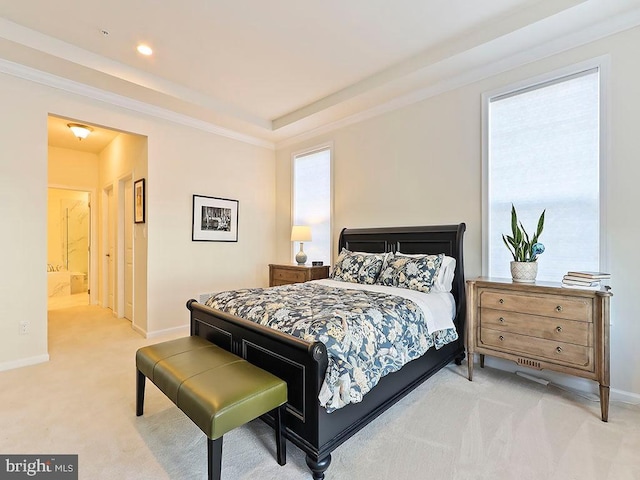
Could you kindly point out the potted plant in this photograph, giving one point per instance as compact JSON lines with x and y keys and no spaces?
{"x":524,"y":250}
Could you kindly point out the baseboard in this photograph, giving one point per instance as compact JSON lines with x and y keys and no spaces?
{"x":183,"y":330}
{"x":24,"y":362}
{"x":624,"y":396}
{"x":580,"y":386}
{"x":139,"y":330}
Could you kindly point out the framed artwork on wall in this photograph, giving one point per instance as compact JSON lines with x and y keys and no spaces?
{"x":138,"y":201}
{"x":214,"y":219}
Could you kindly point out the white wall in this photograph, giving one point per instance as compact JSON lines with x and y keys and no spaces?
{"x":72,"y":168}
{"x":216,"y":167}
{"x":182,"y":161}
{"x":124,"y":158}
{"x":422,"y":165}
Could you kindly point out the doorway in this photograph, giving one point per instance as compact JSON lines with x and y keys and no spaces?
{"x":68,"y":247}
{"x":118,"y":248}
{"x":105,"y":163}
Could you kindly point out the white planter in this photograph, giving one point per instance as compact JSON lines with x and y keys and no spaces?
{"x":524,"y":272}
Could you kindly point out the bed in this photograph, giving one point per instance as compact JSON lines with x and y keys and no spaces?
{"x":303,"y":364}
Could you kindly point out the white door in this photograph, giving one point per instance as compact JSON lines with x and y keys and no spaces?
{"x":111,"y":242}
{"x":128,"y":249}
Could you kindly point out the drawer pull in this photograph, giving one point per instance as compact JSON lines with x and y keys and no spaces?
{"x":559,"y":349}
{"x":558,"y":329}
{"x":501,"y":319}
{"x":501,"y":338}
{"x":501,"y":301}
{"x":559,"y":308}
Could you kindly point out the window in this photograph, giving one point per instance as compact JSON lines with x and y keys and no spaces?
{"x":312,"y":201}
{"x":542,"y":151}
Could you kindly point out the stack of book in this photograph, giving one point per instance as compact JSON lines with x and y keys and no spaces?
{"x":587,"y":280}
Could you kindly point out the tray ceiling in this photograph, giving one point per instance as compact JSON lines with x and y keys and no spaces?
{"x":275,"y":70}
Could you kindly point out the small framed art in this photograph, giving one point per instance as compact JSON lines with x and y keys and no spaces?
{"x":214,"y":219}
{"x":138,"y":201}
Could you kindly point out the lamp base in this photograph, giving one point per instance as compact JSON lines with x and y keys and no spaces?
{"x":301,"y":257}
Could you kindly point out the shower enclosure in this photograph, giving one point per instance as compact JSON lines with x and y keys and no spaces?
{"x":68,"y":242}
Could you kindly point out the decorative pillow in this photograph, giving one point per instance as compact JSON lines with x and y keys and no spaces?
{"x":358,"y":267}
{"x":444,"y":279}
{"x":415,"y":273}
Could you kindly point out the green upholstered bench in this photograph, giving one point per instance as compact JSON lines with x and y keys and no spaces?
{"x":216,"y":389}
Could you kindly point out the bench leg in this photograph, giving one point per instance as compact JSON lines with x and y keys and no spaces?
{"x":281,"y":441}
{"x":214,"y":453}
{"x":140,"y":381}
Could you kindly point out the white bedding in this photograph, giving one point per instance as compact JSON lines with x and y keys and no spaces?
{"x":439,"y":308}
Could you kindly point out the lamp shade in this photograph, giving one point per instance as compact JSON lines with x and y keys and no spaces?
{"x":301,"y":233}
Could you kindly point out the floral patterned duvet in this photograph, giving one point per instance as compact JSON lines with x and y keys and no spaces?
{"x":368,"y":334}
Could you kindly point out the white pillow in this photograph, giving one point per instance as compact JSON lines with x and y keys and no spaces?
{"x":444,"y":280}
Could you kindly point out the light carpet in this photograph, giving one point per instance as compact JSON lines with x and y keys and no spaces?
{"x":499,"y":426}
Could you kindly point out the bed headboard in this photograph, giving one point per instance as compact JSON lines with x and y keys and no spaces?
{"x":431,"y":239}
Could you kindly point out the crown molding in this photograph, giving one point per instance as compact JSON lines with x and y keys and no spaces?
{"x":77,"y":55}
{"x":481,"y":34}
{"x":595,"y":32}
{"x":81,"y":89}
{"x":434,"y":79}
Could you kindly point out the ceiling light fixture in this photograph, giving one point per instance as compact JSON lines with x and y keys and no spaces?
{"x":144,"y":49}
{"x":80,"y":131}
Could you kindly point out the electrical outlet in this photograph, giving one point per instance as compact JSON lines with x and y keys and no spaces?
{"x":24,"y":327}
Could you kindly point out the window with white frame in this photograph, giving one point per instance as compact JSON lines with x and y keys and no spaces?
{"x":542,"y":152}
{"x":312,"y":201}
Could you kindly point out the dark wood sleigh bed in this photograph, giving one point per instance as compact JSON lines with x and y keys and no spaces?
{"x":302,"y":364}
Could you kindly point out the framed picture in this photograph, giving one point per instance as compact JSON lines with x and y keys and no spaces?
{"x":138,"y":201}
{"x":214,"y":219}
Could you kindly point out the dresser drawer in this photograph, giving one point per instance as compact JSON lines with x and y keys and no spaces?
{"x":538,"y":348}
{"x":556,"y":306}
{"x":556,"y":329}
{"x":292,"y":276}
{"x":286,"y":274}
{"x":318,"y":273}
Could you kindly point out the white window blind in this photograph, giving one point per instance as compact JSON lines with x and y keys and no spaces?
{"x":544,"y":153}
{"x":312,"y":202}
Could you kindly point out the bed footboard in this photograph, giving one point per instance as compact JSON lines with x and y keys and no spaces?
{"x":301,"y":364}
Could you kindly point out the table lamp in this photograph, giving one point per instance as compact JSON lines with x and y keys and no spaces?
{"x":301,"y":233}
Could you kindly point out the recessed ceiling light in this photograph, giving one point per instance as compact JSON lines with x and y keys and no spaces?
{"x":144,"y":49}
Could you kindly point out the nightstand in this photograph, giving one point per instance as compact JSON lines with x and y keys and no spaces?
{"x":541,"y":326}
{"x":285,"y":274}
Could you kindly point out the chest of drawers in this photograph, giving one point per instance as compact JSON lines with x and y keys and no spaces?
{"x":541,"y":326}
{"x":286,"y":274}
